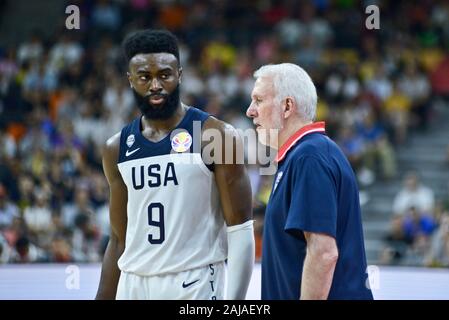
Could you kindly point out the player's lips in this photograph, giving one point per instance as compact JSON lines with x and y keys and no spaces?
{"x":157,"y":99}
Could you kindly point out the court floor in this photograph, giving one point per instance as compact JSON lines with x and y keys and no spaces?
{"x":67,"y":282}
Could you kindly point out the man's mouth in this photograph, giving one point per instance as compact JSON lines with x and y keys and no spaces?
{"x":156,"y":99}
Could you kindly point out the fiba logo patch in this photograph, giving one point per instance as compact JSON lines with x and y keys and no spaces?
{"x":130,"y":140}
{"x":181,"y":142}
{"x":278,"y":178}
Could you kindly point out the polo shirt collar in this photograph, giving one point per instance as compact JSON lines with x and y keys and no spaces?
{"x":310,"y":128}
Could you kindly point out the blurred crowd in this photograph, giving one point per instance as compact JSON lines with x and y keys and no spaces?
{"x":419,"y":234}
{"x":62,"y":96}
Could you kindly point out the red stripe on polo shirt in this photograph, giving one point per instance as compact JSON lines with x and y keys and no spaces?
{"x":310,"y":128}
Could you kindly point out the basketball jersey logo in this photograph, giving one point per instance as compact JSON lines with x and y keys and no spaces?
{"x":130,"y":140}
{"x":181,"y":142}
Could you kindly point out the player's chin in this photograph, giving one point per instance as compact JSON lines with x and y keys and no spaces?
{"x":157,"y":105}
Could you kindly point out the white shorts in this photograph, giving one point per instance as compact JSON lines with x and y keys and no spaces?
{"x":206,"y":283}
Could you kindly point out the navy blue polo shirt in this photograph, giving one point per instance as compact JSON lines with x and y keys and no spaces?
{"x":314,"y":190}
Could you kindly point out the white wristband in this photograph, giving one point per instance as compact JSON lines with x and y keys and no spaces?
{"x":241,"y":253}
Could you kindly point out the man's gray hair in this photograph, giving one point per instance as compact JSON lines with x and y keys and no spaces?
{"x":290,"y":80}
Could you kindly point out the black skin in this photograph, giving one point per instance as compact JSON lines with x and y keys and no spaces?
{"x":160,"y":73}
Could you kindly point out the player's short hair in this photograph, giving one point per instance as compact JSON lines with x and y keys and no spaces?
{"x":290,"y":80}
{"x":150,"y":41}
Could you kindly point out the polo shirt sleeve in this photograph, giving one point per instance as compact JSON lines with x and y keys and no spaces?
{"x":313,"y":200}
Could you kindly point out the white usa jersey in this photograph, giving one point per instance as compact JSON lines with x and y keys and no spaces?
{"x":175,"y":222}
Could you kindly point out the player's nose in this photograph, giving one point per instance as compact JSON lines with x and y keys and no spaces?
{"x":155,"y":85}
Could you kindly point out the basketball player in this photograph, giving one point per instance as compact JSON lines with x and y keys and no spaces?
{"x":174,"y":219}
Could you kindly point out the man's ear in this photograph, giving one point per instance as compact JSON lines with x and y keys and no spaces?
{"x":129,"y":79}
{"x":179,"y":74}
{"x":288,"y":106}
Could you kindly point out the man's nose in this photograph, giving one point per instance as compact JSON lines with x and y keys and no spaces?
{"x":155,"y":85}
{"x":251,"y":111}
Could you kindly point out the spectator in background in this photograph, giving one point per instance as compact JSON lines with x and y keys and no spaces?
{"x":39,"y":79}
{"x":379,"y":155}
{"x":106,"y":16}
{"x":413,"y":194}
{"x":5,"y":250}
{"x":38,"y":218}
{"x":8,"y":145}
{"x":81,"y":205}
{"x":397,"y":243}
{"x":60,"y":250}
{"x":15,"y":231}
{"x":85,"y":240}
{"x":380,"y":85}
{"x":415,"y":85}
{"x":445,"y":202}
{"x":352,"y":146}
{"x":416,"y":224}
{"x":65,"y":52}
{"x":8,"y":210}
{"x":8,"y":180}
{"x":397,"y":108}
{"x":27,"y":252}
{"x":439,"y":252}
{"x":31,"y":50}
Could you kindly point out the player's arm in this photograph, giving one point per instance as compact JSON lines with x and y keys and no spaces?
{"x":236,"y":199}
{"x":319,"y":266}
{"x":110,"y":272}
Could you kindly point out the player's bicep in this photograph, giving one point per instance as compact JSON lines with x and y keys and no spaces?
{"x":117,"y":189}
{"x":235,"y":190}
{"x":235,"y":193}
{"x":117,"y":209}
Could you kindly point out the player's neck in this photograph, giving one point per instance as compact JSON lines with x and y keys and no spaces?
{"x":165,"y":124}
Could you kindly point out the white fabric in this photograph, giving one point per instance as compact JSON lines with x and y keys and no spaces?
{"x":194,"y":227}
{"x":176,"y":286}
{"x":241,"y":253}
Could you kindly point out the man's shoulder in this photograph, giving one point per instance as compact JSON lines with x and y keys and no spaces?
{"x":226,"y":130}
{"x":218,"y":124}
{"x":317,"y":144}
{"x":112,"y":146}
{"x":114,"y":140}
{"x":317,"y":150}
{"x":313,"y":145}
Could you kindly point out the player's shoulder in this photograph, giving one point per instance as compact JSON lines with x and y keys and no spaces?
{"x":111,"y":147}
{"x":220,"y":125}
{"x":113,"y":141}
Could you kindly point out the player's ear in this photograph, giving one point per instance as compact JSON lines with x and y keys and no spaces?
{"x":179,"y":74}
{"x":288,"y":107}
{"x":129,"y":79}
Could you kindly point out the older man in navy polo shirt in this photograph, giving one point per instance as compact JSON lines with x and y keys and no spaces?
{"x":313,"y":239}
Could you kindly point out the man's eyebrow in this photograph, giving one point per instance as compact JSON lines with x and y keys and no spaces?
{"x":166,"y":69}
{"x":145,"y":70}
